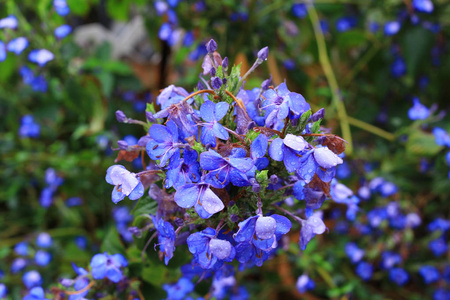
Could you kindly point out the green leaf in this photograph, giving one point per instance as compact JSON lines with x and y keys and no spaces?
{"x":111,"y":243}
{"x":421,"y":143}
{"x":352,"y":38}
{"x":79,"y":8}
{"x":118,"y":9}
{"x":233,"y":79}
{"x":417,"y":43}
{"x":146,"y":205}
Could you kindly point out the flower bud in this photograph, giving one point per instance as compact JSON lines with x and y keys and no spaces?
{"x":318,"y":115}
{"x":266,"y":83}
{"x":225,"y":63}
{"x":211,"y":46}
{"x":122,"y":145}
{"x":212,"y":72}
{"x":263,"y":53}
{"x":273,"y":179}
{"x":216,"y":83}
{"x":200,"y":86}
{"x":179,"y":222}
{"x":135,"y":231}
{"x":234,"y":218}
{"x":150,"y":117}
{"x":121,"y":117}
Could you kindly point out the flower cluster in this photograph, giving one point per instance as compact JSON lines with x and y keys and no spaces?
{"x":215,"y":150}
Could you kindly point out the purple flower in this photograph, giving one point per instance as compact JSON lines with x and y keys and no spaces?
{"x":208,"y":250}
{"x":425,"y":6}
{"x":418,"y":111}
{"x":263,"y":54}
{"x":44,"y":240}
{"x":161,"y":7}
{"x":312,"y":226}
{"x":183,"y":170}
{"x":288,"y":150}
{"x":223,"y":170}
{"x":41,"y":56}
{"x":364,"y":270}
{"x":179,"y":290}
{"x":31,"y":279}
{"x":430,"y":274}
{"x":18,"y":265}
{"x":212,"y":113}
{"x":200,"y":196}
{"x":17,"y":45}
{"x":211,"y":46}
{"x":164,"y":142}
{"x":390,"y":259}
{"x":304,"y":284}
{"x":61,"y":7}
{"x":166,"y":238}
{"x":9,"y":22}
{"x":109,"y":266}
{"x":391,"y":28}
{"x":216,"y":83}
{"x":353,"y":252}
{"x":398,"y":276}
{"x":63,"y":31}
{"x":125,"y":182}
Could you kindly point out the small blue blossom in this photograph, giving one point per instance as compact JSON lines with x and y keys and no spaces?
{"x":425,"y":6}
{"x":109,"y":266}
{"x":346,"y":23}
{"x":430,"y":274}
{"x":28,"y":127}
{"x":166,"y":238}
{"x":41,"y":56}
{"x":42,"y":258}
{"x":304,"y":284}
{"x":125,"y":182}
{"x":2,"y":51}
{"x":353,"y":252}
{"x":3,"y":291}
{"x":9,"y":22}
{"x":288,"y":150}
{"x":61,"y":7}
{"x":364,"y":270}
{"x":36,"y":293}
{"x":17,"y":45}
{"x":441,"y":294}
{"x":438,"y":246}
{"x":31,"y":279}
{"x":418,"y":111}
{"x":18,"y":265}
{"x":184,"y":170}
{"x":179,"y":290}
{"x":321,"y":161}
{"x":21,"y":248}
{"x":312,"y":226}
{"x":44,"y":240}
{"x":63,"y":31}
{"x":441,"y":136}
{"x":398,"y":67}
{"x":439,"y":224}
{"x":390,"y":259}
{"x":391,"y":28}
{"x":212,"y":113}
{"x":299,"y":10}
{"x":398,"y":276}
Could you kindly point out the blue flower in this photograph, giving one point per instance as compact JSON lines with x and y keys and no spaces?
{"x":224,"y":170}
{"x":263,"y":232}
{"x":439,"y":224}
{"x":166,"y":238}
{"x":398,"y":67}
{"x":391,"y":28}
{"x":430,"y":274}
{"x":398,"y":276}
{"x":28,"y":127}
{"x":304,"y":284}
{"x":321,"y":161}
{"x":63,"y":31}
{"x":44,"y":240}
{"x":17,"y":45}
{"x":441,"y":136}
{"x":438,"y":246}
{"x":179,"y":290}
{"x":312,"y":226}
{"x":21,"y":248}
{"x":2,"y":51}
{"x":346,"y":23}
{"x":36,"y":293}
{"x":3,"y":291}
{"x":109,"y":266}
{"x":80,"y":284}
{"x":353,"y":252}
{"x":184,"y":170}
{"x":18,"y":265}
{"x":42,"y":258}
{"x":258,"y":150}
{"x":425,"y":6}
{"x":418,"y":111}
{"x":164,"y":142}
{"x":279,"y":103}
{"x":441,"y":294}
{"x":288,"y":150}
{"x":126,"y":183}
{"x":208,"y":250}
{"x":200,"y":196}
{"x":61,"y":7}
{"x":364,"y":270}
{"x":161,"y":7}
{"x":299,"y":10}
{"x":390,"y":259}
{"x":31,"y":279}
{"x":9,"y":22}
{"x":41,"y":56}
{"x":212,"y":113}
{"x":182,"y":115}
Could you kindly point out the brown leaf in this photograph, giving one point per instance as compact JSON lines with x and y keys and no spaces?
{"x":127,"y":155}
{"x":317,"y":184}
{"x":334,"y":143}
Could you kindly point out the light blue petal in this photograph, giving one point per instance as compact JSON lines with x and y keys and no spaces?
{"x":276,"y":150}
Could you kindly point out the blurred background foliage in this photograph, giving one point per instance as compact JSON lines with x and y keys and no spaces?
{"x":121,"y":53}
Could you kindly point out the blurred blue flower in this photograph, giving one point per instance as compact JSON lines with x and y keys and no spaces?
{"x":346,"y":23}
{"x":63,"y":31}
{"x":438,"y":246}
{"x":3,"y":291}
{"x":41,"y":56}
{"x":353,"y":252}
{"x":36,"y":293}
{"x":2,"y":51}
{"x":418,"y":111}
{"x":9,"y":22}
{"x":441,"y":136}
{"x":17,"y":45}
{"x":28,"y":127}
{"x":299,"y":10}
{"x":430,"y":274}
{"x":21,"y":248}
{"x":44,"y":240}
{"x":61,"y":7}
{"x":398,"y":67}
{"x":425,"y":6}
{"x":398,"y":276}
{"x":364,"y":270}
{"x":179,"y":290}
{"x":109,"y":266}
{"x":42,"y":258}
{"x":392,"y":28}
{"x":18,"y":265}
{"x":304,"y":284}
{"x":31,"y":279}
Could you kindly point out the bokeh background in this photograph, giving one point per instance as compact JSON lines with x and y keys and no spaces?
{"x":380,"y":69}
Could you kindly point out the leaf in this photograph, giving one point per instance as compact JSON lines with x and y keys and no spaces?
{"x":352,"y":38}
{"x":334,"y":143}
{"x":145,"y":205}
{"x":421,"y":143}
{"x":118,"y":9}
{"x":78,"y":7}
{"x":127,"y":155}
{"x":111,"y":242}
{"x":417,"y":43}
{"x":233,"y":80}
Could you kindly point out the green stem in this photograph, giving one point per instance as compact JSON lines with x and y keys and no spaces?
{"x":331,"y":78}
{"x":370,"y":128}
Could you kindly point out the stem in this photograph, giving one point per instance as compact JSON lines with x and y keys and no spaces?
{"x":235,"y":134}
{"x":147,"y":244}
{"x":298,"y":219}
{"x":285,"y":187}
{"x":148,"y":172}
{"x":370,"y":128}
{"x":197,"y":93}
{"x":132,"y":121}
{"x":331,"y":78}
{"x":82,"y":290}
